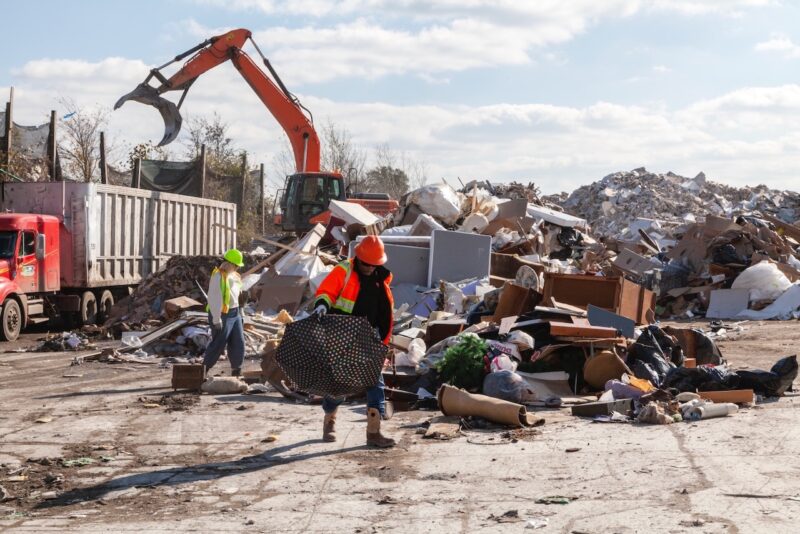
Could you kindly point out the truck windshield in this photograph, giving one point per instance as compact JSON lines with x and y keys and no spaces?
{"x":8,"y":241}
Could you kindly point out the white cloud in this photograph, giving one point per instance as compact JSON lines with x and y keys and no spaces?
{"x":780,"y":44}
{"x":749,"y":135}
{"x":661,"y":69}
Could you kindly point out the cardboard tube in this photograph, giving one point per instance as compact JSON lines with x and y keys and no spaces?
{"x":455,"y":401}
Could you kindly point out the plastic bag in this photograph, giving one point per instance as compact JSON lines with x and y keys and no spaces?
{"x":416,"y":351}
{"x":764,"y":280}
{"x":786,"y":369}
{"x":438,"y":200}
{"x":502,"y":363}
{"x":509,"y":386}
{"x":701,"y":379}
{"x":647,"y":358}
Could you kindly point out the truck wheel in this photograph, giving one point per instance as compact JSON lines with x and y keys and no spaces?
{"x":106,"y":303}
{"x":12,"y":320}
{"x":88,"y":308}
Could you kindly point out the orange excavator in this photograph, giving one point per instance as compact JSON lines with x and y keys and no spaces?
{"x":307,"y":193}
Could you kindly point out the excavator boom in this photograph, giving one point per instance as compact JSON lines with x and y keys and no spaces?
{"x":286,"y":109}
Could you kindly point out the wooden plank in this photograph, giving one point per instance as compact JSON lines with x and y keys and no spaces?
{"x":572,"y":330}
{"x":737,"y":396}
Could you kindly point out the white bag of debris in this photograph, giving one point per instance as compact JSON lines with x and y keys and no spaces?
{"x":416,"y":351}
{"x":764,"y":280}
{"x":223,"y":385}
{"x":438,"y":200}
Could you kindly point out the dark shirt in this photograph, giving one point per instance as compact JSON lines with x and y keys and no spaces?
{"x":372,"y":301}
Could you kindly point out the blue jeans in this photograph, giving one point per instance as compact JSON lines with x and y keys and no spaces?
{"x":232,"y":335}
{"x":375,"y":399}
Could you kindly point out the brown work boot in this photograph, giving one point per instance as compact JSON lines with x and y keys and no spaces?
{"x":329,"y":427}
{"x":374,"y":436}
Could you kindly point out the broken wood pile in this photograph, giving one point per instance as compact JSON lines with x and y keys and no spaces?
{"x":183,"y":276}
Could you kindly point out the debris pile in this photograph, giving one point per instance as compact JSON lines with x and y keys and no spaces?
{"x":505,"y":302}
{"x":612,"y":203}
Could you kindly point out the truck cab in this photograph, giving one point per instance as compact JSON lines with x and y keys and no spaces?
{"x":29,"y":268}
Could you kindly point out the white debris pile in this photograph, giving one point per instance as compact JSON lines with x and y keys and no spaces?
{"x":611,"y":204}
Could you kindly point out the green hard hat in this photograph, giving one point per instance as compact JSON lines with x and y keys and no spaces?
{"x":235,"y":257}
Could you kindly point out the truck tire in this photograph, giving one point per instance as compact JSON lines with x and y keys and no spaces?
{"x":104,"y":309}
{"x":12,"y":320}
{"x":88,"y":313}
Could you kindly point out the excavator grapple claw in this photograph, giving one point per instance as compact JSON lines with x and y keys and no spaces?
{"x":146,"y":94}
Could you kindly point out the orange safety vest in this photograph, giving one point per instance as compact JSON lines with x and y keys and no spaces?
{"x":339,"y":290}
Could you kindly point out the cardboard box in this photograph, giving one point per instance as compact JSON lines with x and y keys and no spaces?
{"x":516,"y":300}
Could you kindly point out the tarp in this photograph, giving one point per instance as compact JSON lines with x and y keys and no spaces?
{"x":179,"y":177}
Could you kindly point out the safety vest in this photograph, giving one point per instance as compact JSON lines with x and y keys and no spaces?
{"x":339,"y":290}
{"x":224,"y":289}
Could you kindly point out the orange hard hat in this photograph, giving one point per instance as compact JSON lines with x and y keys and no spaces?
{"x":370,"y":250}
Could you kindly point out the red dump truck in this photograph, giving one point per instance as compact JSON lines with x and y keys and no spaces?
{"x":69,"y":250}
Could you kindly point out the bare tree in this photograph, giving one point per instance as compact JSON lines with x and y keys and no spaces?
{"x":340,"y":154}
{"x":415,"y":170}
{"x":221,"y":154}
{"x":80,"y":146}
{"x":146,"y":150}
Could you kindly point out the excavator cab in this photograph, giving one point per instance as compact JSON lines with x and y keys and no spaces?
{"x":307,"y":195}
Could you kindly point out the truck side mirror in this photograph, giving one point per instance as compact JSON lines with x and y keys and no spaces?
{"x":40,"y":246}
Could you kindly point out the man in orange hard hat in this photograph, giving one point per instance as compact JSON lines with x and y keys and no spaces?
{"x":360,"y":286}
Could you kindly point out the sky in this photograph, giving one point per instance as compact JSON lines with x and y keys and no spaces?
{"x":555,"y":92}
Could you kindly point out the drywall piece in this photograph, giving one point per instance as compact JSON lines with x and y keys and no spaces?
{"x":307,"y":244}
{"x":727,"y":303}
{"x":409,"y":265}
{"x":457,"y":256}
{"x":424,"y":225}
{"x":555,"y":217}
{"x":352,"y":213}
{"x":600,"y":317}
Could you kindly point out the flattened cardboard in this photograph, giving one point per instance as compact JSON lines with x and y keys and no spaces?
{"x":632,"y":263}
{"x":552,"y":384}
{"x":280,"y":292}
{"x":727,"y":303}
{"x":512,"y":208}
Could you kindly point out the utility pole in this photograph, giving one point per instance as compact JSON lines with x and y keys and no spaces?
{"x":103,"y":166}
{"x":52,"y":148}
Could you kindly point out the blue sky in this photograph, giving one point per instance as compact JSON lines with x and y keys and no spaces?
{"x":560,"y":93}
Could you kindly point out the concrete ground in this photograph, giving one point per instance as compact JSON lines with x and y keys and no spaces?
{"x":157,"y":462}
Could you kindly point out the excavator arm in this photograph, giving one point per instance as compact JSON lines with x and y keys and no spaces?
{"x":285,"y":107}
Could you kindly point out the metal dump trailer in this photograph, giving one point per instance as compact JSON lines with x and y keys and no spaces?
{"x":79,"y":246}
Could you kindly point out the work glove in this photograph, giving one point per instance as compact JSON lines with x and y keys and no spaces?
{"x":216,"y":328}
{"x":320,"y":311}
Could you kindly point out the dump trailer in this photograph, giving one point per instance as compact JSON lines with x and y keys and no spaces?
{"x":69,"y":250}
